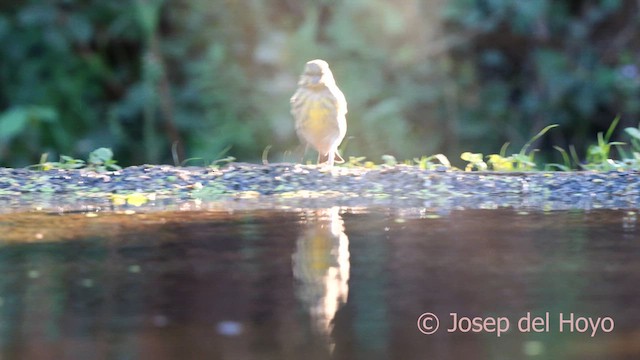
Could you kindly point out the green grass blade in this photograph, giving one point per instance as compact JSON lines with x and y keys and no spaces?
{"x":611,"y":128}
{"x":523,"y":151}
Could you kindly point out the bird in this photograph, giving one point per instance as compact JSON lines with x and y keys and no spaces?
{"x":319,"y":109}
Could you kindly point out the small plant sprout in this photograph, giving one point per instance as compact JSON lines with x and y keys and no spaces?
{"x":356,"y":161}
{"x":598,"y":155}
{"x":634,"y":134}
{"x":389,"y":160}
{"x":432,"y":162}
{"x":68,"y":162}
{"x":526,"y":146}
{"x":475,"y":161}
{"x":265,"y":155}
{"x":65,"y":163}
{"x":501,"y":163}
{"x":566,"y":161}
{"x":193,"y":159}
{"x":101,"y":159}
{"x":216,"y":164}
{"x":523,"y":160}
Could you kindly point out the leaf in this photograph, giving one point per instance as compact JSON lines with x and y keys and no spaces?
{"x":633,"y":132}
{"x":500,"y":163}
{"x":137,"y":199}
{"x":111,"y":165}
{"x":471,"y":157}
{"x":523,"y":151}
{"x":503,"y":149}
{"x":475,"y":160}
{"x":389,"y":160}
{"x":443,"y":159}
{"x":100,"y":156}
{"x":613,"y":125}
{"x":565,"y":158}
{"x":560,"y":167}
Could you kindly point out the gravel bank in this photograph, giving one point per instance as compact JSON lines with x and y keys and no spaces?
{"x":250,"y":186}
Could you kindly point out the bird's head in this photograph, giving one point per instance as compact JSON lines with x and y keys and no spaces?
{"x":316,"y":74}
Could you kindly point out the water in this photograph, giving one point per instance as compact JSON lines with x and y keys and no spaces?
{"x":320,"y":284}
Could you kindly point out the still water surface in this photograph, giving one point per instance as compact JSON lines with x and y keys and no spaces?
{"x":320,"y":284}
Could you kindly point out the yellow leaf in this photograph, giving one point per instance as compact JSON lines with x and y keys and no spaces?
{"x":137,"y":199}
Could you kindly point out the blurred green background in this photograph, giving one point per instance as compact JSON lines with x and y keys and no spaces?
{"x":420,"y":77}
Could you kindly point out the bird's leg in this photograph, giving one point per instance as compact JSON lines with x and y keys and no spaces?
{"x":322,"y":158}
{"x":330,"y":157}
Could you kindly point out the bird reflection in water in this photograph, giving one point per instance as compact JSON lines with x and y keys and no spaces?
{"x":321,"y":268}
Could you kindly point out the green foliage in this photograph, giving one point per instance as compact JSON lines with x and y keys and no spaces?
{"x":102,"y":160}
{"x":220,"y":162}
{"x":99,"y":160}
{"x":632,"y":161}
{"x":389,"y":160}
{"x":432,"y":162}
{"x":539,"y":61}
{"x":474,"y":160}
{"x":522,"y":161}
{"x":566,"y":161}
{"x":599,"y":154}
{"x":51,"y":64}
{"x":634,"y":134}
{"x":355,"y":161}
{"x":65,"y":163}
{"x":164,"y":81}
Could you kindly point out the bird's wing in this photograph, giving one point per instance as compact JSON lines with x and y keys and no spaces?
{"x":339,"y":100}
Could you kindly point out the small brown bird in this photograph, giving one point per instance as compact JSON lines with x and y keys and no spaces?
{"x":319,"y":110}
